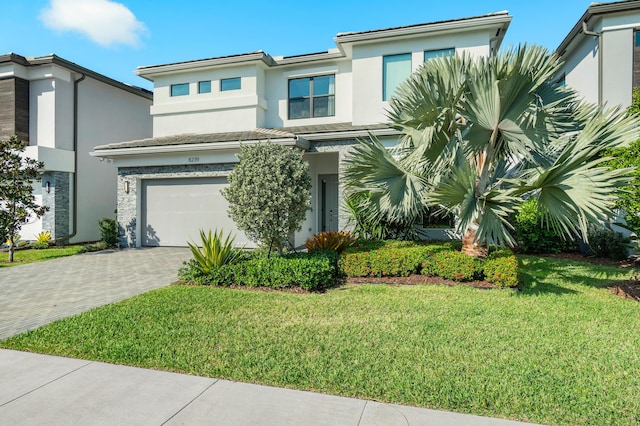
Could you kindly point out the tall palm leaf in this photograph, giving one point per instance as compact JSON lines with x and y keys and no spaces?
{"x":479,"y":136}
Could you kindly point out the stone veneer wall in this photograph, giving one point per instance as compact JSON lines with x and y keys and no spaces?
{"x":130,"y":203}
{"x":56,"y":220}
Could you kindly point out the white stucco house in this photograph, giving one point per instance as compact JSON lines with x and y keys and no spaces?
{"x":64,"y":111}
{"x":169,"y":185}
{"x":601,"y":53}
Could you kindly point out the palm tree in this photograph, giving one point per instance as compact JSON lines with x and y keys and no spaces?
{"x":479,"y":136}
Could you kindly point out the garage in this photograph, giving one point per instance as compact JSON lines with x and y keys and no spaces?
{"x":174,"y":210}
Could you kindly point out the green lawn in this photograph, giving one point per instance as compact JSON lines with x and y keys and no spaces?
{"x":563,"y":351}
{"x":24,"y":256}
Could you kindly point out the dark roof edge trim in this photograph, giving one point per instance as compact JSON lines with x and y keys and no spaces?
{"x":57,"y":60}
{"x":593,"y":10}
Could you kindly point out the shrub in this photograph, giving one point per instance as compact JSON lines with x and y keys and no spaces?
{"x":605,"y":242}
{"x":336,"y":241}
{"x":501,"y":269}
{"x":534,"y":237}
{"x":387,"y":258}
{"x":269,"y":193}
{"x":309,"y":271}
{"x":108,"y":231}
{"x":453,"y":265}
{"x":216,"y":251}
{"x":42,"y":240}
{"x":87,"y":248}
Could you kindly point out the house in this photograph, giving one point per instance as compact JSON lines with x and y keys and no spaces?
{"x":601,"y":53}
{"x":64,"y":111}
{"x":169,"y":185}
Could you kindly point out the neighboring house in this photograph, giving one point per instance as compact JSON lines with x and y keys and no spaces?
{"x":64,"y":110}
{"x":169,"y":185}
{"x":601,"y":53}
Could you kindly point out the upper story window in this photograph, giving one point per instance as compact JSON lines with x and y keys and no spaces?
{"x":204,"y":87}
{"x":230,"y":84}
{"x":429,"y":54}
{"x":312,"y":97}
{"x":180,"y":89}
{"x":395,"y":69}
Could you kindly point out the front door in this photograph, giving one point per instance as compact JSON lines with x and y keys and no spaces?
{"x":328,"y":188}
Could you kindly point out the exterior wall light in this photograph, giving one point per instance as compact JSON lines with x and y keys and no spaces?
{"x":126,"y":186}
{"x":48,"y":185}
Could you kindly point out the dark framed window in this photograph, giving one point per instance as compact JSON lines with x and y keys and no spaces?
{"x":230,"y":84}
{"x":312,"y":97}
{"x":181,"y":89}
{"x":204,"y":87}
{"x":395,"y":70}
{"x":437,"y":53}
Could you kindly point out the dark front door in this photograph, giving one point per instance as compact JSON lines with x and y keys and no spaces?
{"x":328,"y":188}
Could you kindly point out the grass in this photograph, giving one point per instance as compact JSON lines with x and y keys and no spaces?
{"x":562,"y":351}
{"x":23,"y":256}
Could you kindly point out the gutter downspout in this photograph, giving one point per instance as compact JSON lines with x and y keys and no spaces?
{"x":75,"y":160}
{"x":586,"y":31}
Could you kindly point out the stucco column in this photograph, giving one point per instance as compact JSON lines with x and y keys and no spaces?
{"x":344,"y":216}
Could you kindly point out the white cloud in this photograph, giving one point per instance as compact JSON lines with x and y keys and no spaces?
{"x":103,"y":21}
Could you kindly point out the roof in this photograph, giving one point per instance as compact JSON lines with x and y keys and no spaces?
{"x":596,"y":9}
{"x":30,"y":61}
{"x":293,"y":133}
{"x":495,"y":17}
{"x":499,"y":19}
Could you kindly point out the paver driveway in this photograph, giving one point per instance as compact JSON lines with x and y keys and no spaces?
{"x":38,"y":293}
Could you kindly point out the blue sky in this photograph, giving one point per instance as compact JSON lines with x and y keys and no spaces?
{"x":114,"y":37}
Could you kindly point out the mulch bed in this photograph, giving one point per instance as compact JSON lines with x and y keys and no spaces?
{"x":627,"y":289}
{"x":418,"y":279}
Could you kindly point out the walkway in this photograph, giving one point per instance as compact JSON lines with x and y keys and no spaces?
{"x":42,"y":389}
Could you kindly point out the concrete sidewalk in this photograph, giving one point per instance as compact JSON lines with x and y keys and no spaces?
{"x":42,"y":389}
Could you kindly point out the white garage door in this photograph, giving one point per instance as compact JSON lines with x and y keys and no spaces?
{"x":174,"y":210}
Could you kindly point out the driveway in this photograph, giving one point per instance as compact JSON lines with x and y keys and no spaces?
{"x":38,"y":293}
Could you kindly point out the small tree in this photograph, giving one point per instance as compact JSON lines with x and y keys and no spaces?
{"x":16,"y":194}
{"x":269,"y":193}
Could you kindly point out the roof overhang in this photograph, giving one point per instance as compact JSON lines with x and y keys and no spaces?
{"x":111,"y":153}
{"x":498,"y":20}
{"x":596,"y":9}
{"x":72,"y":66}
{"x":258,"y":57}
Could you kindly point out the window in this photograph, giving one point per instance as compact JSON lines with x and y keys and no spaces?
{"x":312,"y":97}
{"x":395,"y":69}
{"x":429,"y":54}
{"x":230,"y":84}
{"x":180,"y":89}
{"x":204,"y":87}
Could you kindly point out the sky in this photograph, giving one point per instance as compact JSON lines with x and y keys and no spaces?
{"x":114,"y":37}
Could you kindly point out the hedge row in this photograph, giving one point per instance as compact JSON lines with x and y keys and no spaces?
{"x":310,"y":271}
{"x":442,"y":259}
{"x":319,"y":270}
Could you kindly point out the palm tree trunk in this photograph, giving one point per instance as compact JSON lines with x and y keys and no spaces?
{"x":471,"y":247}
